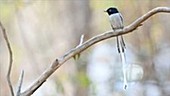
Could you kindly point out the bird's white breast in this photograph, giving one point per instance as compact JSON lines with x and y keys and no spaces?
{"x":116,"y":20}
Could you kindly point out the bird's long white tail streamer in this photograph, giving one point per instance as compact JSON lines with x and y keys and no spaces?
{"x":124,"y":64}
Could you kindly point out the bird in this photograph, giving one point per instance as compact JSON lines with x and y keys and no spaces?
{"x":116,"y":21}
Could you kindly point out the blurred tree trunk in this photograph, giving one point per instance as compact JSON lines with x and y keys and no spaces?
{"x":80,"y":16}
{"x":77,"y":15}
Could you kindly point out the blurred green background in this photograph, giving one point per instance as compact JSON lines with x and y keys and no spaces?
{"x":42,"y":30}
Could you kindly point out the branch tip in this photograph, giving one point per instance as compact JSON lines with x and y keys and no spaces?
{"x":55,"y":63}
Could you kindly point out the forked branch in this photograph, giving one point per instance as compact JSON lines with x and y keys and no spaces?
{"x":106,"y":35}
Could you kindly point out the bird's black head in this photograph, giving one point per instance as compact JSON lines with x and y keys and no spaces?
{"x":112,"y":10}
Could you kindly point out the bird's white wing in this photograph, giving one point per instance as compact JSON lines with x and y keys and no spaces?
{"x":121,"y":20}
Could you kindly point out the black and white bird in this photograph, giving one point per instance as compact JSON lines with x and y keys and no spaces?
{"x":116,"y":21}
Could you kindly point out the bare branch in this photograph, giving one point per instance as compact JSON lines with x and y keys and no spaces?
{"x":143,"y":18}
{"x":10,"y":58}
{"x":58,"y":62}
{"x":20,"y":83}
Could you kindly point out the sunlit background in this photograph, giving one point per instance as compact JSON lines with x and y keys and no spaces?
{"x":42,"y":30}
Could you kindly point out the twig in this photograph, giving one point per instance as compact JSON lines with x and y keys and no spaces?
{"x":10,"y":58}
{"x":20,"y":83}
{"x":58,"y":62}
{"x":77,"y":56}
{"x":81,"y":40}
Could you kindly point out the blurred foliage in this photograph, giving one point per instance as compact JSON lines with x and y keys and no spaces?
{"x":8,"y":8}
{"x":83,"y":79}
